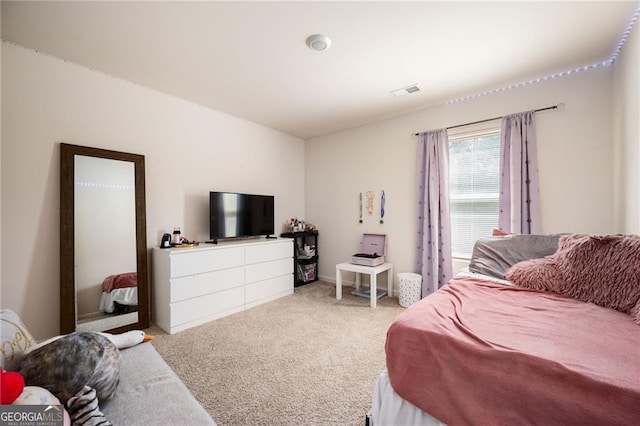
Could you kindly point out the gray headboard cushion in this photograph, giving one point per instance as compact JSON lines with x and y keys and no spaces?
{"x":494,"y":255}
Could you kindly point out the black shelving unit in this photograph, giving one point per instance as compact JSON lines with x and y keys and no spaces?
{"x":306,"y":267}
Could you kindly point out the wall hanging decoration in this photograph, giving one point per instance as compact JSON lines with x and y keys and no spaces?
{"x":360,"y":221}
{"x":382,"y":201}
{"x":370,"y":195}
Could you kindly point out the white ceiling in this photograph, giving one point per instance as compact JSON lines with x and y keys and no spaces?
{"x":249,"y":59}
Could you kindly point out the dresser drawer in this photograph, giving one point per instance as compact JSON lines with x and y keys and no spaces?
{"x":210,"y":282}
{"x":206,"y":306}
{"x":197,"y":262}
{"x":269,"y":289}
{"x":266,"y":252}
{"x":267,"y":270}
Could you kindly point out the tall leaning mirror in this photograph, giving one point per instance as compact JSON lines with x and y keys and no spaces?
{"x":103,"y":243}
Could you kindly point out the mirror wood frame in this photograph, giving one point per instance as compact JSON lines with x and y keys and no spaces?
{"x":68,"y":320}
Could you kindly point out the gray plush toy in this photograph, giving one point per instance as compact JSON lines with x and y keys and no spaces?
{"x":80,"y":369}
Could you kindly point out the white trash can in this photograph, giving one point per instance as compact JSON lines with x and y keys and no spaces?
{"x":409,"y":289}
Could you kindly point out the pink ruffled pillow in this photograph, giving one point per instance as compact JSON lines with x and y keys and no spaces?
{"x":604,"y":270}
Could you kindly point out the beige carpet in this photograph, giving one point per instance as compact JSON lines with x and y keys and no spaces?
{"x":305,"y":359}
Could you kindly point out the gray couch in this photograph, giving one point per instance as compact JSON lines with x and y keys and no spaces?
{"x":149,"y":393}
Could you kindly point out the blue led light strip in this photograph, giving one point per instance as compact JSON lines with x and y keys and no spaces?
{"x":606,"y":63}
{"x":103,"y":185}
{"x":625,"y":35}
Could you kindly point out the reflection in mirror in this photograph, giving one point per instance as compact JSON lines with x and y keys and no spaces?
{"x":103,"y":264}
{"x":105,"y":243}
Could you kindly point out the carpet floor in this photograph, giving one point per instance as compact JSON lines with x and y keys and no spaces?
{"x":302,"y":359}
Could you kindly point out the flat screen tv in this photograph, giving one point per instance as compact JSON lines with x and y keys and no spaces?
{"x":234,"y":215}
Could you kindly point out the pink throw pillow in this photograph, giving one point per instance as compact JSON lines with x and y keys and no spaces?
{"x":497,"y":232}
{"x":604,"y":270}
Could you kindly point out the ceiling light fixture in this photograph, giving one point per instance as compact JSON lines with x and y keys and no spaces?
{"x":318,"y":42}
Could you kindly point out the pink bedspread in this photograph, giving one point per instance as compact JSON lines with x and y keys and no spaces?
{"x":482,"y":353}
{"x":128,"y":279}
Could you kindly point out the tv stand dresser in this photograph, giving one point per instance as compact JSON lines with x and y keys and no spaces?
{"x":191,"y":286}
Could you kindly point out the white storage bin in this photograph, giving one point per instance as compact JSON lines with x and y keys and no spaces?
{"x":409,"y":288}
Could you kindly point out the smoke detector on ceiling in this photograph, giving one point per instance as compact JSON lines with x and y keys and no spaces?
{"x":406,"y":90}
{"x":318,"y":42}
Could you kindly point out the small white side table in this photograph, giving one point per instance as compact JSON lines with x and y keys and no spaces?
{"x":372,"y":271}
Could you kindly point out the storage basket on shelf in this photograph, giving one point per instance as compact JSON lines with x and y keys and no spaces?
{"x":409,"y":288}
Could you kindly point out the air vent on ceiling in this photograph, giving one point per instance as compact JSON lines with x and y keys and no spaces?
{"x":406,"y":90}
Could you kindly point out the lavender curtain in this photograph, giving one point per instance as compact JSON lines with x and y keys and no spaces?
{"x":519,"y":190}
{"x":434,"y":226}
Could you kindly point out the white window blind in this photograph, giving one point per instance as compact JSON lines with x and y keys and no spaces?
{"x":474,"y":173}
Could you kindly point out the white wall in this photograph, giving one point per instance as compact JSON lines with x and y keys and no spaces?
{"x":626,"y":108}
{"x":575,"y":155}
{"x":189,"y":150}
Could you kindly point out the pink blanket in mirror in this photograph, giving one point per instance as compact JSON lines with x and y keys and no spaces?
{"x":125,"y":280}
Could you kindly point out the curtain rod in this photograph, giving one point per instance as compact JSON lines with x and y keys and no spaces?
{"x":560,"y":105}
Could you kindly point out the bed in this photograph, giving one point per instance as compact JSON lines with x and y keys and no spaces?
{"x":119,"y":293}
{"x":551,"y":339}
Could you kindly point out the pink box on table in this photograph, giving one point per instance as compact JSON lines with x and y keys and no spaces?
{"x":372,"y":252}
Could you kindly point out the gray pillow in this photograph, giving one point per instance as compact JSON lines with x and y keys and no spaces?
{"x":494,"y":255}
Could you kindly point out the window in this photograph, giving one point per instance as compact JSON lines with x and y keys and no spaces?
{"x":474,"y":174}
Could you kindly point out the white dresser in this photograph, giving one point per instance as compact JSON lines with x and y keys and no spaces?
{"x":191,"y":286}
